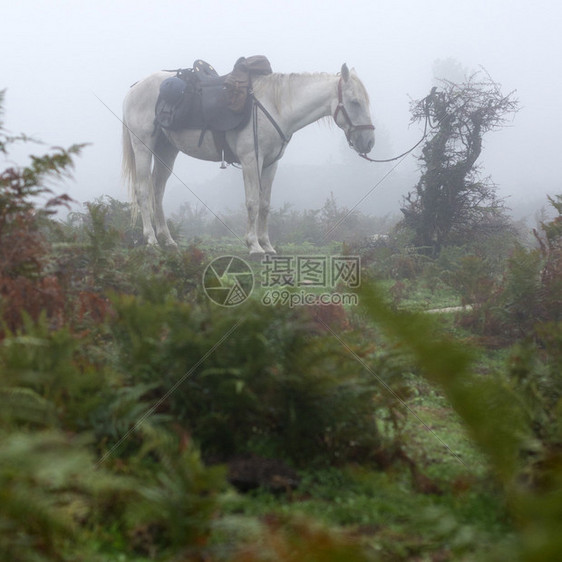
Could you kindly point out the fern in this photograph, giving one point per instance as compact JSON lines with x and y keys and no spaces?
{"x":24,"y":405}
{"x":47,"y":481}
{"x":495,"y":416}
{"x":178,"y":497}
{"x":24,"y":285}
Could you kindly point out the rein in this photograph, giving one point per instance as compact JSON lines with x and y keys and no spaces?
{"x":257,"y":105}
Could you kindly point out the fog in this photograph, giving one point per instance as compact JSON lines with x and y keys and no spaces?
{"x":60,"y":58}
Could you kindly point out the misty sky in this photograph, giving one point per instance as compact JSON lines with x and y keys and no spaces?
{"x":57,"y":56}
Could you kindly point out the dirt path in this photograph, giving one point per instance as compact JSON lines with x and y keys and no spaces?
{"x":465,"y":308}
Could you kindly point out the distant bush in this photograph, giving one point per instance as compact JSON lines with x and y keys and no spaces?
{"x":287,"y":225}
{"x":528,"y":294}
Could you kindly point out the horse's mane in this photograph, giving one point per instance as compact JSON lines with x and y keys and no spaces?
{"x":283,"y":85}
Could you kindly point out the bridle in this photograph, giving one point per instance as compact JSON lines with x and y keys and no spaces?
{"x":351,"y":126}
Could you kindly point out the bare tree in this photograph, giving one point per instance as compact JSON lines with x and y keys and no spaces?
{"x":451,"y":201}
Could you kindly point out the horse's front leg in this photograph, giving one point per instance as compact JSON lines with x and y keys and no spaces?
{"x":252,"y":190}
{"x":263,"y":213}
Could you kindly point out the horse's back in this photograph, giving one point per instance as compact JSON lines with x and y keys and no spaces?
{"x":140,"y":101}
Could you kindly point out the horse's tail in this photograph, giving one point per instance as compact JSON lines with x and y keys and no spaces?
{"x":129,"y":170}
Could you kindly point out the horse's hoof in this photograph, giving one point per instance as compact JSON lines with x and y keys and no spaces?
{"x":268,"y":248}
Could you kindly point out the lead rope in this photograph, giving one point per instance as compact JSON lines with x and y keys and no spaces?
{"x":424,"y":136}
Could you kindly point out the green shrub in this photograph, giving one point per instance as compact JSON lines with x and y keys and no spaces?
{"x":269,"y":386}
{"x":529,"y":293}
{"x":177,"y":495}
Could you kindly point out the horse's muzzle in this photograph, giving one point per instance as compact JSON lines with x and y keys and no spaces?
{"x":363,"y":140}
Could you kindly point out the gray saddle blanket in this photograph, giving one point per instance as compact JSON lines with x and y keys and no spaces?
{"x":198,"y":98}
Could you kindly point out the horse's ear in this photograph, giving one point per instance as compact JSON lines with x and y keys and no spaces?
{"x":345,"y":72}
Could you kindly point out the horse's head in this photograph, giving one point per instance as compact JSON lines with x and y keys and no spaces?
{"x":351,"y":112}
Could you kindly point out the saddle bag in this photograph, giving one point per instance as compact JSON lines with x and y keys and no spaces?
{"x":237,"y":84}
{"x":172,"y":92}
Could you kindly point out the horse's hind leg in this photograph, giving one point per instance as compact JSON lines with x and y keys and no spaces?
{"x":165,"y":155}
{"x":143,"y":188}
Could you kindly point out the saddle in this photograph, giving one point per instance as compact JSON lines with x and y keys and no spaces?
{"x":198,"y":98}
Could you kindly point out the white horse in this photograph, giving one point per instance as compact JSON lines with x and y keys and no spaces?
{"x":287,"y":102}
